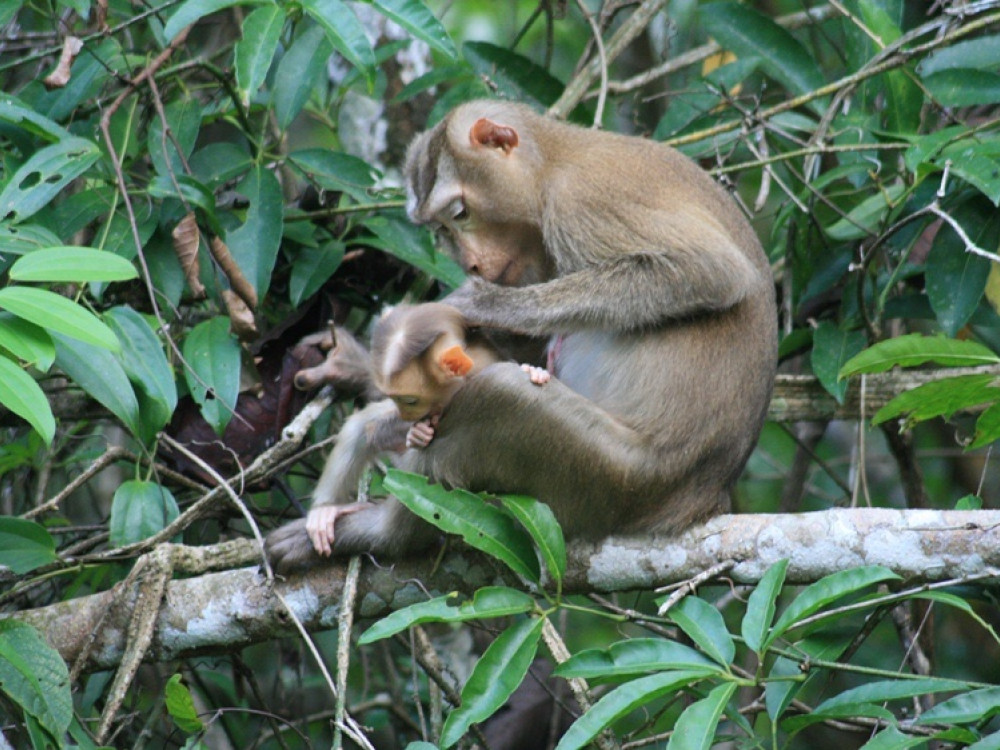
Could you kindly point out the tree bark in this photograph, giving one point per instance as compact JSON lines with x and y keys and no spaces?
{"x":228,"y":610}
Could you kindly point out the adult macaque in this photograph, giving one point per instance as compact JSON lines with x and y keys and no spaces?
{"x":421,"y":356}
{"x":660,"y":304}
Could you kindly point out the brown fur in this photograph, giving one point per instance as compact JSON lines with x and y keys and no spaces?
{"x":662,"y":303}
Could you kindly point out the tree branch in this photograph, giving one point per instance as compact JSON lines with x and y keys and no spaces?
{"x":229,"y":610}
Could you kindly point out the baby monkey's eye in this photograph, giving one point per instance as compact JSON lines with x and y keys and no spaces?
{"x":406,"y":400}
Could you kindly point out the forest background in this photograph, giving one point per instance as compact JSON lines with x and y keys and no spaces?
{"x":189,"y":188}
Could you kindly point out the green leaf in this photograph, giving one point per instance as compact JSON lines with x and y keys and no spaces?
{"x":459,"y":512}
{"x":891,"y":738}
{"x":72,"y":264}
{"x":987,"y":427}
{"x":989,"y":742}
{"x":311,"y":269}
{"x":695,"y":728}
{"x":139,"y":510}
{"x":903,"y":97}
{"x":332,"y":170}
{"x":832,"y":347}
{"x":22,"y":395}
{"x":541,"y":523}
{"x":941,"y":398}
{"x":34,"y":676}
{"x":18,"y":239}
{"x":180,"y":706}
{"x":974,"y":706}
{"x":633,"y":657}
{"x":954,"y":278}
{"x":255,"y":244}
{"x":26,"y":341}
{"x":749,"y":33}
{"x":15,"y":112}
{"x":413,"y":245}
{"x":24,"y":545}
{"x":414,"y":16}
{"x":169,"y":153}
{"x":298,"y":72}
{"x":704,"y":625}
{"x":344,"y":32}
{"x":46,"y":174}
{"x":514,"y":75}
{"x":56,"y":313}
{"x":255,"y":51}
{"x":621,"y":701}
{"x":214,"y":355}
{"x":865,"y":218}
{"x":982,"y":52}
{"x":497,"y":674}
{"x":916,"y":349}
{"x":194,"y":10}
{"x":964,"y":87}
{"x":421,"y":746}
{"x":489,"y":601}
{"x":761,"y":606}
{"x":146,"y":366}
{"x":826,"y":590}
{"x":100,"y":374}
{"x":881,"y":691}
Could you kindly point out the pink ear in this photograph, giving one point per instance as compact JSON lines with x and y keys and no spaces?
{"x":488,"y":133}
{"x":456,"y":361}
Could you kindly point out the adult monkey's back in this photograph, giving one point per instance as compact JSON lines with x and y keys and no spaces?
{"x":660,"y":303}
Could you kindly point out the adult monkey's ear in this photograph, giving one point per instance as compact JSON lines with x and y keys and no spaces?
{"x":493,"y":135}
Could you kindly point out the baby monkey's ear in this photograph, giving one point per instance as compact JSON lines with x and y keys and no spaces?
{"x":455,"y":361}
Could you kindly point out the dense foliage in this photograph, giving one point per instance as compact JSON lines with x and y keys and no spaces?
{"x":189,"y":187}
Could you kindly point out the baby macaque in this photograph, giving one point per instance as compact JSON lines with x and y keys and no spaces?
{"x":421,"y":356}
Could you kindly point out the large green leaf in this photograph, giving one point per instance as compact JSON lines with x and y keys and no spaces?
{"x":514,"y":75}
{"x":489,"y":601}
{"x":916,"y":349}
{"x":704,"y":625}
{"x":56,"y":313}
{"x":987,"y":427}
{"x":976,"y":705}
{"x":254,"y":245}
{"x":169,"y":153}
{"x":72,"y":264}
{"x":414,"y":16}
{"x":865,"y":218}
{"x":15,"y":112}
{"x":413,"y":245}
{"x":22,"y":395}
{"x":194,"y":10}
{"x":214,"y":355}
{"x":35,"y":677}
{"x":621,"y":701}
{"x":311,"y":269}
{"x":333,"y":170}
{"x":25,"y":545}
{"x":26,"y":341}
{"x":982,"y":52}
{"x":761,"y":606}
{"x":695,"y":728}
{"x":139,"y":510}
{"x":344,"y":32}
{"x":459,"y":512}
{"x":955,"y":279}
{"x":180,"y":706}
{"x":824,"y":591}
{"x":635,"y":656}
{"x":146,"y":365}
{"x":100,"y":374}
{"x":903,"y":97}
{"x":749,"y":33}
{"x":541,"y":523}
{"x":255,"y":51}
{"x":832,"y":347}
{"x":302,"y":66}
{"x":46,"y":174}
{"x":892,"y":739}
{"x":496,"y":675}
{"x":941,"y":398}
{"x":964,"y":88}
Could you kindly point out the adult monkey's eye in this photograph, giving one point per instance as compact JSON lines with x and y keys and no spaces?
{"x":458,"y":211}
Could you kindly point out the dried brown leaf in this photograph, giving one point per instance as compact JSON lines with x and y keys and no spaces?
{"x":241,"y":319}
{"x":61,"y":75}
{"x":186,"y":239}
{"x":233,"y":272}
